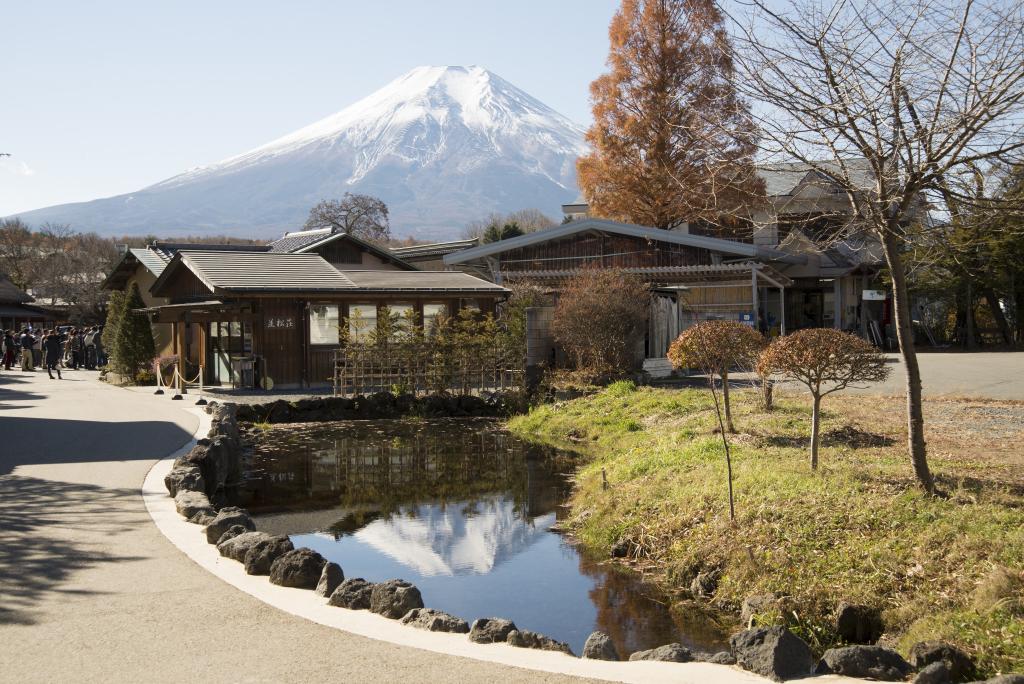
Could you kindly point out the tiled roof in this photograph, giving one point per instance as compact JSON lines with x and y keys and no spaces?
{"x":783,"y":178}
{"x":10,"y":294}
{"x":261,"y":272}
{"x":153,"y":259}
{"x":433,"y":249}
{"x":401,"y":281}
{"x":299,"y":239}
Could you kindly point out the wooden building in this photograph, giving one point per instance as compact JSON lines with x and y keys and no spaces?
{"x":16,"y":310}
{"x":279,"y":312}
{"x":692,"y":277}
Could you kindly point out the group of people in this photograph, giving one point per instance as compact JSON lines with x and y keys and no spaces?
{"x":55,"y":349}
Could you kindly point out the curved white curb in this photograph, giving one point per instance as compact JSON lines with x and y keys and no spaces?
{"x":190,"y":539}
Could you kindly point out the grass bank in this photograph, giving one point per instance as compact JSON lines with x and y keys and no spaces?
{"x":858,"y":530}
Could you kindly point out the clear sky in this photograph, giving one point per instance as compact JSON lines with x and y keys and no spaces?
{"x":101,"y":98}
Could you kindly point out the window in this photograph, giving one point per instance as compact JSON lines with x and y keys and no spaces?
{"x":404,"y":316}
{"x":362,"y":321}
{"x":323,"y":324}
{"x":433,"y":314}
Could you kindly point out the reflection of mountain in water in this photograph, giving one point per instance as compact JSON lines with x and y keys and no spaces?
{"x":455,"y":539}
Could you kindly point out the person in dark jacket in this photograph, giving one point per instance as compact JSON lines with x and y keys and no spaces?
{"x":26,"y":341}
{"x":8,"y":349}
{"x":76,"y":344}
{"x":52,"y":349}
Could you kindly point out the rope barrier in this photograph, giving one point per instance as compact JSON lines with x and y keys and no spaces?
{"x":181,"y":385}
{"x":159,"y":378}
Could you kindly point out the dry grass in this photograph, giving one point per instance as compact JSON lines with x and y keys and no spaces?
{"x":857,"y":530}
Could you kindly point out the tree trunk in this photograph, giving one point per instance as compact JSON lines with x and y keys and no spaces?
{"x":997,"y":313}
{"x":905,"y":337}
{"x":725,"y":400}
{"x":971,"y":340}
{"x":815,"y":431}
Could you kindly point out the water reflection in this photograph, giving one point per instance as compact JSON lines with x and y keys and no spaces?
{"x":463,"y":510}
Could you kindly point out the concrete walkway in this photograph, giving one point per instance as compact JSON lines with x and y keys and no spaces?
{"x":90,"y":590}
{"x":983,"y":375}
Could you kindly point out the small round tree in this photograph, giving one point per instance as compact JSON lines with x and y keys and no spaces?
{"x":826,"y":361}
{"x":716,"y":348}
{"x":599,"y":320}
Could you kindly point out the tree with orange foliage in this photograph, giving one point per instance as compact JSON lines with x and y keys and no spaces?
{"x":826,"y":361}
{"x":671,"y":140}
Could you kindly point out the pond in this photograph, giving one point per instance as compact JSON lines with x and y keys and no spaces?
{"x":466,"y":512}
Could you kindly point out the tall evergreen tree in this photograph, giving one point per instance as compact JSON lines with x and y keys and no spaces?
{"x":115,"y":312}
{"x":133,"y":347}
{"x":671,"y":140}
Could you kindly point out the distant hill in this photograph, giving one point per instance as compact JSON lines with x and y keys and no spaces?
{"x":440,"y":145}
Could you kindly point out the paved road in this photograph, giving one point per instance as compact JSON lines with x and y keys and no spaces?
{"x":988,"y":375}
{"x":90,"y":590}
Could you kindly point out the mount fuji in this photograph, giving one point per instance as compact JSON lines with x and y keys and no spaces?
{"x":441,"y":146}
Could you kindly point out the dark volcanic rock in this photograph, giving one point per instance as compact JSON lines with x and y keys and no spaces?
{"x":435,"y":621}
{"x":599,"y":646}
{"x":773,"y":652}
{"x":202,"y":518}
{"x":858,"y":624}
{"x":231,"y":533}
{"x":353,"y":593}
{"x":960,"y":665}
{"x":671,"y":653}
{"x":936,"y":673}
{"x":394,"y":598}
{"x":875,"y":662}
{"x":300,"y":569}
{"x":720,"y":658}
{"x":757,"y":603}
{"x":527,"y":639}
{"x":330,"y":578}
{"x":235,"y":547}
{"x":188,"y":503}
{"x":264,"y":552}
{"x":490,"y":630}
{"x":704,"y":585}
{"x":226,"y":517}
{"x":621,"y":548}
{"x":184,"y":477}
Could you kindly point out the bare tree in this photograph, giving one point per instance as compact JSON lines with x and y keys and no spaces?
{"x":360,"y":215}
{"x":825,"y":361}
{"x":893,"y":103}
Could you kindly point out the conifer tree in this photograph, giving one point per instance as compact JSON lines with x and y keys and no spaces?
{"x":671,"y":140}
{"x":133,"y":347}
{"x":115,"y":313}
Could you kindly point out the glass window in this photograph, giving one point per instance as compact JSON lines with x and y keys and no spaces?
{"x":433,"y":313}
{"x":362,"y":321}
{"x":404,"y":316}
{"x":323,"y":324}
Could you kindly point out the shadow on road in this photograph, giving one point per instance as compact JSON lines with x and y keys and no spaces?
{"x":37,"y":559}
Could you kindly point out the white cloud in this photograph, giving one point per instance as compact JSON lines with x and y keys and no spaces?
{"x":15,"y":166}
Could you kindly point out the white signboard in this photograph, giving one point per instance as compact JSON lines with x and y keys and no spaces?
{"x":874,"y":295}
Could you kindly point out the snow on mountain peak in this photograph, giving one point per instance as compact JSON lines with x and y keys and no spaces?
{"x":441,"y":145}
{"x":412,"y":117}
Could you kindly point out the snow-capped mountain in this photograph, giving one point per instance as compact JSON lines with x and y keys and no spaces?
{"x":440,"y":145}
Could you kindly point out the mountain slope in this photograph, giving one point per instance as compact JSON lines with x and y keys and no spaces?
{"x":440,"y":145}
